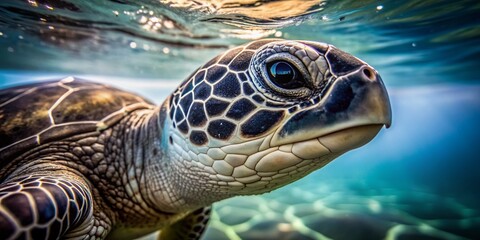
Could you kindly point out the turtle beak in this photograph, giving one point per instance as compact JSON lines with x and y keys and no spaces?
{"x":352,"y":110}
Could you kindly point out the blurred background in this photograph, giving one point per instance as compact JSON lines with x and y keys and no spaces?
{"x":418,"y":179}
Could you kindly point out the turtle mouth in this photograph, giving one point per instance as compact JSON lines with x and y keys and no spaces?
{"x":349,"y":138}
{"x":301,"y":157}
{"x":336,"y":142}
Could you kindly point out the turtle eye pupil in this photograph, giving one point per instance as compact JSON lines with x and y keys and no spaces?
{"x":282,"y":72}
{"x":284,"y":75}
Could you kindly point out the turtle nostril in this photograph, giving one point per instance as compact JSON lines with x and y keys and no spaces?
{"x":369,"y":73}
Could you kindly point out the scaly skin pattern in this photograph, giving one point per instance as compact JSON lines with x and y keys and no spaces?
{"x":251,"y":120}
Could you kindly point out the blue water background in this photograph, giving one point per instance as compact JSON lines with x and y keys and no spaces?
{"x":428,"y":53}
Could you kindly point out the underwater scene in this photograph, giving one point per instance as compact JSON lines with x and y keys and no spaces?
{"x":418,"y":179}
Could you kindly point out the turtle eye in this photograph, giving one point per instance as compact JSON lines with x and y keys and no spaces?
{"x":285,"y":75}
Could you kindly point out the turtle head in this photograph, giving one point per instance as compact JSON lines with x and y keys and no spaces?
{"x":267,"y":113}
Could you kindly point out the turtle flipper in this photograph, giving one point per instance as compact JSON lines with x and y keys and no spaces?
{"x":44,"y":207}
{"x":190,"y":227}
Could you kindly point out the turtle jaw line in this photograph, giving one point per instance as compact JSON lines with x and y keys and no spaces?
{"x":294,"y":160}
{"x":338,"y":141}
{"x":349,"y":138}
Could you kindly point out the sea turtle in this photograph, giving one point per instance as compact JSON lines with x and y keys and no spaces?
{"x":82,"y":160}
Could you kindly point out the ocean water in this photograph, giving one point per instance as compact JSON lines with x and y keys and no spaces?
{"x":418,"y":179}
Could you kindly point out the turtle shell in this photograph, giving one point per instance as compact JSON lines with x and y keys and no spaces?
{"x":40,"y":113}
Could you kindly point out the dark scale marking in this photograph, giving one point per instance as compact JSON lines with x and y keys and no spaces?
{"x":197,"y":228}
{"x":305,"y":104}
{"x":78,"y":197}
{"x":341,"y":62}
{"x":198,"y":138}
{"x":228,"y":87}
{"x":240,"y":108}
{"x":60,"y":198}
{"x":44,"y":205}
{"x":64,"y":186}
{"x":202,"y":91}
{"x":221,"y":129}
{"x":308,"y":118}
{"x":242,"y":76}
{"x":215,"y":106}
{"x":241,"y":62}
{"x":215,"y":73}
{"x":247,"y":89}
{"x":172,"y":112}
{"x":72,"y":212}
{"x":66,"y":223}
{"x":258,"y":98}
{"x":39,"y":233}
{"x":228,"y":57}
{"x":197,"y":116}
{"x":293,"y":109}
{"x":28,"y":180}
{"x":67,"y":183}
{"x":7,"y":227}
{"x":12,"y":188}
{"x":341,"y":101}
{"x":23,"y":214}
{"x":186,"y":102}
{"x":261,"y":122}
{"x":56,"y":229}
{"x":199,"y":76}
{"x":179,"y":115}
{"x":183,"y":127}
{"x":23,"y":236}
{"x":64,"y":226}
{"x":187,"y":88}
{"x":88,"y":205}
{"x":32,"y":184}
